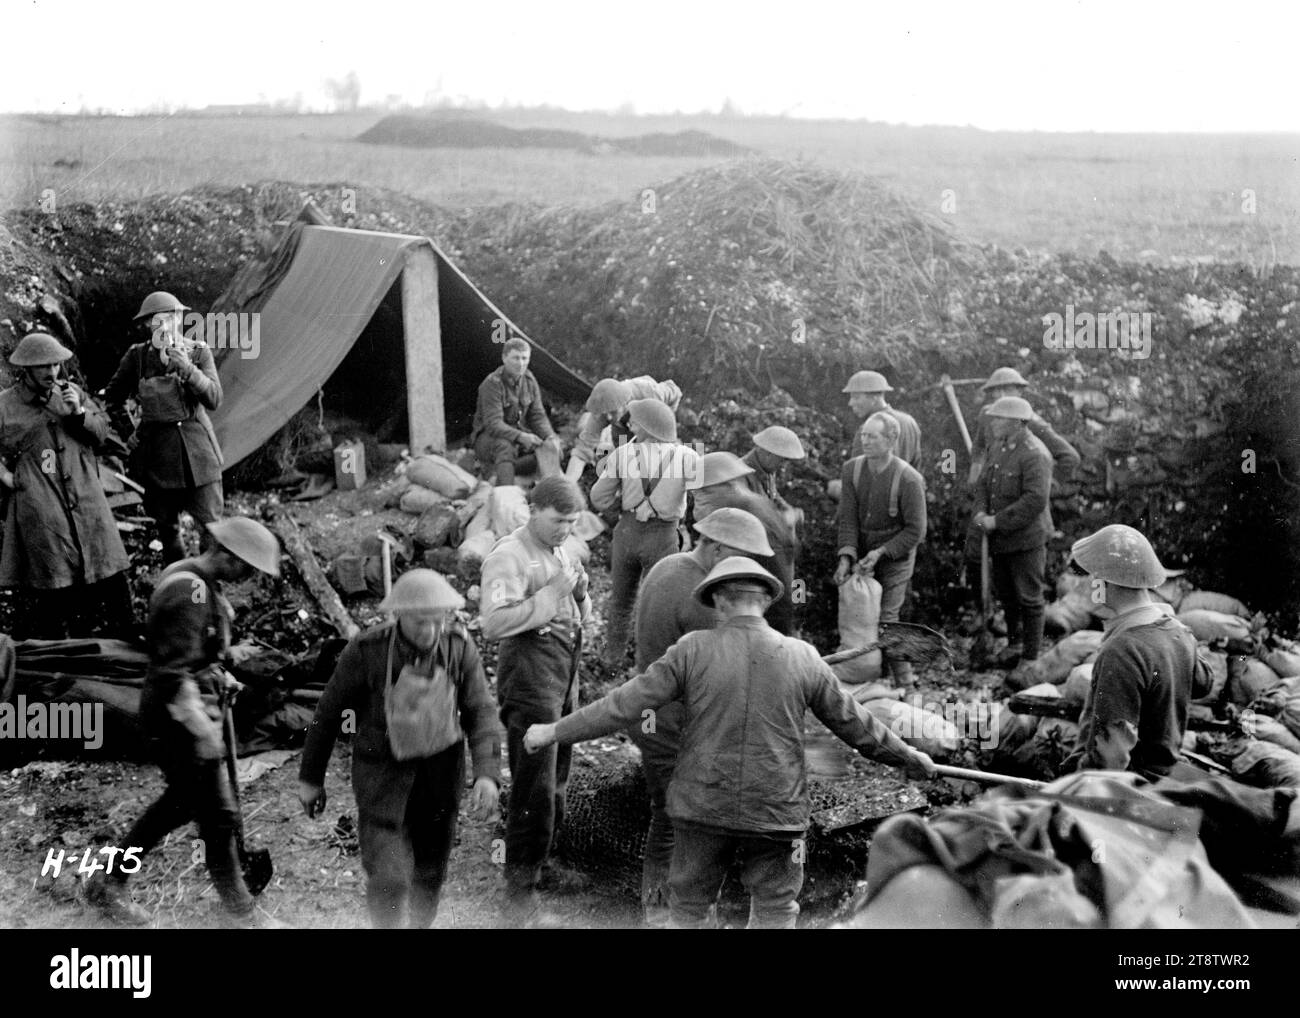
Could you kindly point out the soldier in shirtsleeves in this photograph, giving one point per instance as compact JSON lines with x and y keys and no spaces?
{"x":534,"y":601}
{"x":647,"y":478}
{"x":606,"y":425}
{"x":415,"y":688}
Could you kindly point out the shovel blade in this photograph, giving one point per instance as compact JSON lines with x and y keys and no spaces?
{"x":257,"y":869}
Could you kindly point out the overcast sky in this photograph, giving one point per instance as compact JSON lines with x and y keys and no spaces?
{"x":1104,"y":65}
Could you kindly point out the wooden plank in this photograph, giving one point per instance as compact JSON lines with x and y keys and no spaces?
{"x":423,"y":334}
{"x":313,"y":575}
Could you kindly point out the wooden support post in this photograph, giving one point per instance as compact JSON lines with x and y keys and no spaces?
{"x":423,"y":335}
{"x":313,"y":575}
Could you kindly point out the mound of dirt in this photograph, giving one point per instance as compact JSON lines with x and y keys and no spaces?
{"x":464,"y":132}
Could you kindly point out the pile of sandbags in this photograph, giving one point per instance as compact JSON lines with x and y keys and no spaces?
{"x":1073,"y":609}
{"x":921,"y":729}
{"x":1056,"y":664}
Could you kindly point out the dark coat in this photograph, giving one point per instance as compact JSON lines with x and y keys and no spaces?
{"x":383,"y":784}
{"x":1014,"y":488}
{"x":507,"y":412}
{"x":58,"y":528}
{"x":174,"y":428}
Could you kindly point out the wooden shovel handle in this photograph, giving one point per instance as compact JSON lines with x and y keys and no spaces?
{"x":987,"y":777}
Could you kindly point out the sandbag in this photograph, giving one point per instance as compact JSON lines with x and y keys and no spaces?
{"x":1173,"y":590}
{"x":394,"y":491}
{"x":1283,"y":660}
{"x":1268,"y":729}
{"x":1078,"y":684}
{"x":1211,"y":625}
{"x":1048,"y":689}
{"x":1248,"y":678}
{"x":859,"y":621}
{"x":1073,"y":608}
{"x":1290,"y":716}
{"x":1055,"y":665}
{"x":437,"y":526}
{"x":1267,"y":765}
{"x":417,"y":499}
{"x":589,"y":525}
{"x":1218,"y":662}
{"x":508,"y":507}
{"x":441,"y":475}
{"x":919,"y":728}
{"x":473,"y":550}
{"x":1207,"y":600}
{"x":576,"y":548}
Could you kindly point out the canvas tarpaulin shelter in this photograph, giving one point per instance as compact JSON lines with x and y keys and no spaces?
{"x":322,"y":290}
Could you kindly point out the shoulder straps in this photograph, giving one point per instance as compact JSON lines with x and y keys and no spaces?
{"x":894,"y":484}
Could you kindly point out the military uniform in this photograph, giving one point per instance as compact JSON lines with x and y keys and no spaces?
{"x":505,"y":412}
{"x":406,"y":809}
{"x":1065,"y":458}
{"x":60,"y":538}
{"x":176,"y":457}
{"x":884,"y":510}
{"x":188,"y":636}
{"x":1014,"y":489}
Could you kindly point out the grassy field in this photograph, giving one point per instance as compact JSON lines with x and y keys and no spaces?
{"x":1151,"y":196}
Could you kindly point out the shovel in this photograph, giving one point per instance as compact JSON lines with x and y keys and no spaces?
{"x":256,"y":865}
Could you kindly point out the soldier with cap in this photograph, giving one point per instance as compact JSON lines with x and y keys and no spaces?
{"x":510,"y":422}
{"x":534,"y":601}
{"x":882,"y":520}
{"x":176,"y":456}
{"x":721,"y":484}
{"x":60,"y":539}
{"x":774,"y":447}
{"x":189,"y":644}
{"x":606,"y":425}
{"x":740,"y":788}
{"x":415,"y":689}
{"x":665,"y":612}
{"x":1009,"y":382}
{"x":1012,"y":508}
{"x":647,"y":477}
{"x":1148,"y":669}
{"x":866,"y":391}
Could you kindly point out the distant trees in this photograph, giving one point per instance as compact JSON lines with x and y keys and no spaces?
{"x":346,"y":92}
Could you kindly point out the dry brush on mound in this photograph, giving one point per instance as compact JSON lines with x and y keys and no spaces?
{"x":767,"y":284}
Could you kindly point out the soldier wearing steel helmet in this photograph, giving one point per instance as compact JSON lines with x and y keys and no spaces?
{"x":665,"y":612}
{"x":415,"y":688}
{"x":60,"y":540}
{"x":189,"y":644}
{"x":721,"y":484}
{"x":647,"y":478}
{"x":1148,"y":669}
{"x":174,"y":381}
{"x":1009,"y":382}
{"x":866,"y":391}
{"x":774,"y":447}
{"x":740,"y":789}
{"x":1012,"y":508}
{"x":606,"y":425}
